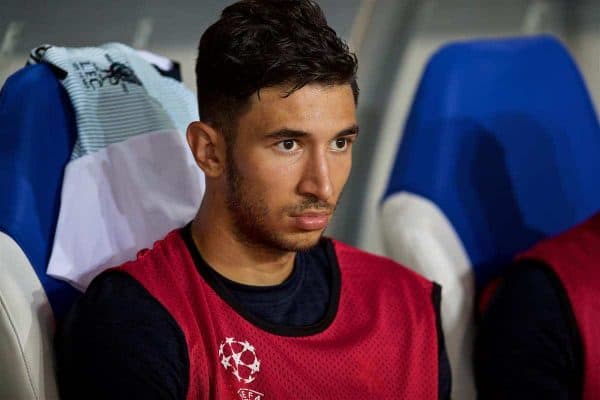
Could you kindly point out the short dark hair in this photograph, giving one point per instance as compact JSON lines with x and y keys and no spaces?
{"x":264,"y":43}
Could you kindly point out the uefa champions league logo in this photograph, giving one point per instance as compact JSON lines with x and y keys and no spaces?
{"x":239,"y":358}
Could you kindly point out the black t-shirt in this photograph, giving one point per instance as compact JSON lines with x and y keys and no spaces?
{"x":118,"y":342}
{"x":528,"y":344}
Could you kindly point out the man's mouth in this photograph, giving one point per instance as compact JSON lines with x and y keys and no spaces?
{"x":311,"y":220}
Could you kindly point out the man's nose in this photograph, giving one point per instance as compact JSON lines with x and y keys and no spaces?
{"x":316,"y":180}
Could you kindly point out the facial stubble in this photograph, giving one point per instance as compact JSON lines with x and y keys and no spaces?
{"x":249,"y":212}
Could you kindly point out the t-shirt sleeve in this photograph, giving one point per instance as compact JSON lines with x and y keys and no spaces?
{"x":528,"y":345}
{"x":118,"y":342}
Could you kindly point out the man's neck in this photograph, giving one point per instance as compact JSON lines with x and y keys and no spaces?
{"x":235,"y":259}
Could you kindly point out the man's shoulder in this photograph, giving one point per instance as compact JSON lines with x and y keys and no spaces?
{"x":171,"y":244}
{"x":116,"y":304}
{"x":378,"y":279}
{"x":112,"y":288}
{"x":383,"y":266}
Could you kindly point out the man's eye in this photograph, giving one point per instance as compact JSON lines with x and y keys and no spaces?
{"x":287,"y":145}
{"x":339,"y":144}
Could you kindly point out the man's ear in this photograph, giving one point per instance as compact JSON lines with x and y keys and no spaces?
{"x":208,"y":148}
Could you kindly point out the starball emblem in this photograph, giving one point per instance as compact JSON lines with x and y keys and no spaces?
{"x":240,"y":359}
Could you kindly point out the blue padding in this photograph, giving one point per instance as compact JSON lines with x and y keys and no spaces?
{"x":37,"y":134}
{"x":503,"y":137}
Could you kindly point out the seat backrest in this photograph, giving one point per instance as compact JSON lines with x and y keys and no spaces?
{"x":26,"y":327}
{"x":501,"y":149}
{"x":37,"y":134}
{"x":85,"y":151}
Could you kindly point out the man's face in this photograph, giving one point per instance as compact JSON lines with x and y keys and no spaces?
{"x":288,"y":164}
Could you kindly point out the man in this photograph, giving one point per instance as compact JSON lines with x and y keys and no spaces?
{"x":538,"y":337}
{"x":248,"y":301}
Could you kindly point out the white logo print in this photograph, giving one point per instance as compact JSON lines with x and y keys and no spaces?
{"x":248,"y":394}
{"x":239,"y":358}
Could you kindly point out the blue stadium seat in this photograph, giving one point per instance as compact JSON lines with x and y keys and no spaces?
{"x":501,"y":149}
{"x":37,"y":135}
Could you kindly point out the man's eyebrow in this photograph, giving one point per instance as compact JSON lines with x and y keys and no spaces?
{"x":286,"y":134}
{"x":295,"y":134}
{"x":353,"y":130}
